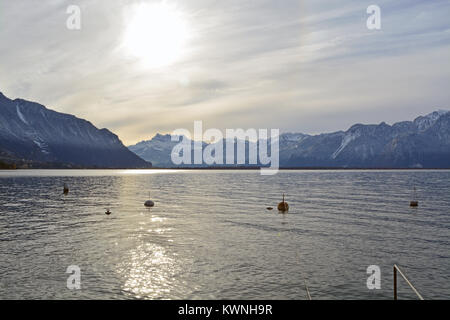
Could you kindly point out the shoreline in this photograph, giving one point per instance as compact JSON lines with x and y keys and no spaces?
{"x":234,"y":169}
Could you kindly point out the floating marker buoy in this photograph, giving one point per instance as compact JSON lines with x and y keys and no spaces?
{"x":269,"y":208}
{"x":283,"y":206}
{"x":149,"y":203}
{"x":108,"y":212}
{"x":414,"y":202}
{"x":66,"y":189}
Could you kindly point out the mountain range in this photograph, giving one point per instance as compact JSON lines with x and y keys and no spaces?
{"x":422,"y":143}
{"x":33,"y":136}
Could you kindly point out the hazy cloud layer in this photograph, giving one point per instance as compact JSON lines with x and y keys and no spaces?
{"x":304,"y":66}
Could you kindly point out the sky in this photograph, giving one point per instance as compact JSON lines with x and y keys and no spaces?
{"x":144,"y":67}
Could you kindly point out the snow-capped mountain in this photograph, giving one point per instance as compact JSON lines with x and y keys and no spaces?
{"x":426,"y":122}
{"x":422,"y":143}
{"x":32,"y":133}
{"x":158,"y":149}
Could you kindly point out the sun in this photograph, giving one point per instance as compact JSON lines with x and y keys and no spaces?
{"x":156,"y":34}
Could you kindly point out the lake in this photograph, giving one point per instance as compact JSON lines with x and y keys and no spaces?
{"x":210,"y":235}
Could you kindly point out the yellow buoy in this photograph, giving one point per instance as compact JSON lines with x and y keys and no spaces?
{"x":283,"y":206}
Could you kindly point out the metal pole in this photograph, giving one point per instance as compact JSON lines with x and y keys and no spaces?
{"x":409,"y":283}
{"x":395,"y":282}
{"x":308,"y":296}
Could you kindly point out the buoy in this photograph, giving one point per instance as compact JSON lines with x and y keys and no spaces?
{"x":108,"y":212}
{"x":414,"y":202}
{"x":149,"y":203}
{"x":66,"y":189}
{"x":269,"y":208}
{"x":283,"y":206}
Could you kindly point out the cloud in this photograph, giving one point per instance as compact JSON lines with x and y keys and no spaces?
{"x":308,"y":66}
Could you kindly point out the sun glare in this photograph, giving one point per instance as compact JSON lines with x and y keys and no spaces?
{"x":156,"y":34}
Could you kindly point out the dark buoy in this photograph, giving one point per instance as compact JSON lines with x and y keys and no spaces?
{"x":108,"y":212}
{"x":149,"y":203}
{"x":269,"y":208}
{"x":283,"y":206}
{"x":414,"y":203}
{"x":66,"y":189}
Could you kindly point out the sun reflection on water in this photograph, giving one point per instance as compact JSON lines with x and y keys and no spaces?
{"x":149,"y":273}
{"x":148,"y":171}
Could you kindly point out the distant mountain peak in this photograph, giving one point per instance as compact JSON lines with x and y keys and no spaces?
{"x":22,"y":102}
{"x":427,"y":121}
{"x":424,"y":142}
{"x":32,"y":133}
{"x":435,"y":114}
{"x":159,"y":136}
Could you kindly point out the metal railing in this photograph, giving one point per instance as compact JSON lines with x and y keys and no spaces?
{"x":397,"y":269}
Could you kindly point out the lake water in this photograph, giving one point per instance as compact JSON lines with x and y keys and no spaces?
{"x":210,"y":236}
